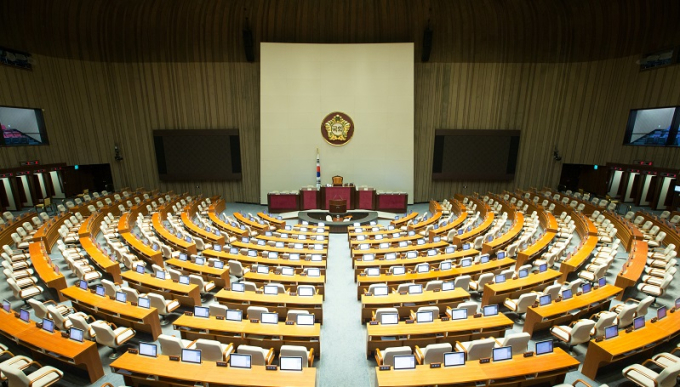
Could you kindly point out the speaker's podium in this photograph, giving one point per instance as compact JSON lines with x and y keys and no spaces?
{"x":337,"y":206}
{"x":336,"y":197}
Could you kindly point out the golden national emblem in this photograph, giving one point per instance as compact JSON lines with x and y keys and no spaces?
{"x":337,"y":128}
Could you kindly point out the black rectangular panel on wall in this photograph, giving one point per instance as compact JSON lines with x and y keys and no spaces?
{"x":475,"y":154}
{"x":183,"y":155}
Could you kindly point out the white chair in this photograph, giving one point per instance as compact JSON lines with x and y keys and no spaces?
{"x":470,"y":306}
{"x":40,"y":308}
{"x":432,"y":353}
{"x":656,"y":290}
{"x":42,"y":377}
{"x":163,"y":306}
{"x":576,"y":333}
{"x":641,"y":306}
{"x":626,"y":315}
{"x":298,"y":350}
{"x":236,"y":269}
{"x":110,"y":288}
{"x":477,"y":349}
{"x":255,"y":312}
{"x":521,"y":304}
{"x":386,"y":356}
{"x":518,"y":341}
{"x":109,"y":335}
{"x":213,"y":350}
{"x":377,"y":314}
{"x":644,"y":376}
{"x":173,"y":346}
{"x":79,"y":322}
{"x":463,"y":282}
{"x":258,"y":356}
{"x":478,"y":286}
{"x":604,"y":320}
{"x":64,"y":322}
{"x":25,"y":293}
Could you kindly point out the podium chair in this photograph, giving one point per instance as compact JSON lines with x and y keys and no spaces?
{"x":337,"y":181}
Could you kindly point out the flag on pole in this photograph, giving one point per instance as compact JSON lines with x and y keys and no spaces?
{"x":318,"y":170}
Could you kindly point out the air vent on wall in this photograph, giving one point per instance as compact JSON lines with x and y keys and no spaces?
{"x":657,"y":59}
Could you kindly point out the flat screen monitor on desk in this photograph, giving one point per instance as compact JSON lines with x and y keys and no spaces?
{"x":523,"y":273}
{"x":502,"y":353}
{"x":83,"y":284}
{"x":425,"y":317}
{"x":187,"y":239}
{"x":405,"y":362}
{"x":279,"y":245}
{"x":453,"y":359}
{"x":661,"y":313}
{"x":289,"y":271}
{"x":390,"y":256}
{"x":542,"y":268}
{"x":6,"y":306}
{"x":545,"y":299}
{"x":380,"y":291}
{"x":48,"y":325}
{"x":304,"y":319}
{"x":299,"y":246}
{"x":458,"y":314}
{"x":411,"y":233}
{"x":445,"y":265}
{"x":191,"y":356}
{"x":586,"y":288}
{"x":271,"y":290}
{"x":566,"y":294}
{"x":372,"y":272}
{"x":238,"y":287}
{"x":219,"y":265}
{"x":237,"y":360}
{"x":140,"y":269}
{"x":611,"y":331}
{"x":389,"y":319}
{"x":201,"y":311}
{"x":431,"y":252}
{"x":234,"y":315}
{"x":639,"y":322}
{"x":422,"y":268}
{"x":484,"y":258}
{"x":200,"y":261}
{"x":144,"y":303}
{"x":233,"y":250}
{"x":500,"y":255}
{"x":448,"y":285}
{"x":466,"y":262}
{"x":148,"y":349}
{"x":76,"y":334}
{"x":466,"y":246}
{"x":313,"y":272}
{"x":316,"y":258}
{"x":411,"y":254}
{"x":543,"y":347}
{"x":677,"y":303}
{"x":306,"y":291}
{"x":160,"y":275}
{"x":290,"y":363}
{"x":602,"y":281}
{"x":273,"y":255}
{"x":182,"y":257}
{"x":121,"y":297}
{"x":184,"y":280}
{"x":490,"y":310}
{"x":217,"y":248}
{"x":252,"y":253}
{"x":450,"y":250}
{"x":500,"y":278}
{"x":269,"y":318}
{"x":415,"y":289}
{"x":100,"y":291}
{"x":294,"y":256}
{"x":437,"y":239}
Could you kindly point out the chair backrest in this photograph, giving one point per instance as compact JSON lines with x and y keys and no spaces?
{"x":606,"y":319}
{"x":255,"y":312}
{"x":380,"y":311}
{"x":667,"y":377}
{"x":643,"y":305}
{"x":462,"y":282}
{"x":293,"y":313}
{"x":104,"y":334}
{"x":210,"y":350}
{"x":80,"y":323}
{"x":525,"y":301}
{"x":432,"y":285}
{"x":480,"y":348}
{"x":170,"y":345}
{"x":389,"y":354}
{"x":626,"y":315}
{"x":470,"y":306}
{"x":434,"y":353}
{"x":553,"y":291}
{"x":484,"y":279}
{"x":337,"y":180}
{"x":235,"y":268}
{"x":157,"y":301}
{"x":109,"y":288}
{"x":518,"y":342}
{"x":433,"y":309}
{"x":580,"y":332}
{"x":56,"y":316}
{"x":15,"y":376}
{"x":218,"y":310}
{"x":132,"y":294}
{"x":38,"y":308}
{"x":257,"y":354}
{"x":404,"y":287}
{"x":296,"y":350}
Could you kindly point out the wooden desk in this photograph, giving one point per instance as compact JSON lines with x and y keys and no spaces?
{"x":136,"y":370}
{"x":410,"y":263}
{"x":143,"y":251}
{"x":280,"y":250}
{"x":306,"y":232}
{"x":278,"y":223}
{"x":170,"y":238}
{"x":459,"y":209}
{"x":42,"y":343}
{"x":629,"y":344}
{"x":405,"y":303}
{"x":549,"y":368}
{"x":438,"y":331}
{"x":291,"y":281}
{"x":101,"y":260}
{"x":188,"y":295}
{"x":247,"y":261}
{"x":477,"y":231}
{"x":280,"y":303}
{"x":632,"y":270}
{"x":422,"y":278}
{"x":206,"y":236}
{"x":259,"y":227}
{"x":246,"y":332}
{"x":274,"y":238}
{"x":413,"y":247}
{"x":513,"y":288}
{"x":535,"y":249}
{"x":217,"y":208}
{"x":387,"y":238}
{"x":507,"y":238}
{"x":432,"y":219}
{"x":141,"y":319}
{"x":577,"y":259}
{"x":209,"y":273}
{"x":564,"y":312}
{"x":403,"y":219}
{"x":45,"y":269}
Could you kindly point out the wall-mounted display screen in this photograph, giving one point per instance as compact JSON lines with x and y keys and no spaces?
{"x":653,"y":127}
{"x":22,"y":126}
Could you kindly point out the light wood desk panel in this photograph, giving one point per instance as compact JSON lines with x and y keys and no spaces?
{"x":513,"y":288}
{"x":410,"y":263}
{"x":246,"y":332}
{"x":45,"y":269}
{"x":137,"y":369}
{"x":280,"y":303}
{"x":188,"y":295}
{"x":248,"y":261}
{"x":289,"y":281}
{"x":209,"y":273}
{"x":405,"y":303}
{"x":280,"y":250}
{"x":141,"y":319}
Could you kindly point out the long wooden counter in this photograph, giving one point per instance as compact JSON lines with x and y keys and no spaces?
{"x":46,"y":270}
{"x":405,"y":303}
{"x":280,"y":303}
{"x":383,"y":264}
{"x":248,"y":261}
{"x":188,"y":295}
{"x":136,"y":370}
{"x":209,"y":273}
{"x":513,"y":288}
{"x":290,"y":281}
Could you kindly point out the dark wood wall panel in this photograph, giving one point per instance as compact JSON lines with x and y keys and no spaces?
{"x":561,"y":71}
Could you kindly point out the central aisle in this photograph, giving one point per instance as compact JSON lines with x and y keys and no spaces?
{"x":343,"y":338}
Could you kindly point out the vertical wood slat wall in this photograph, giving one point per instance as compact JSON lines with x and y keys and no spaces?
{"x":135,"y":74}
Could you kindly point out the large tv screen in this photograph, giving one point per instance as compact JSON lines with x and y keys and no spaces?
{"x":653,"y":127}
{"x":22,"y":126}
{"x":193,"y":155}
{"x":475,"y":154}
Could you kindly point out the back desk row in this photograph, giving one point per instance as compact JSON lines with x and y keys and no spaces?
{"x":281,"y":303}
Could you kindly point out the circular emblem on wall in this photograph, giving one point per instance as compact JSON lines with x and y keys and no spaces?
{"x":337,"y":128}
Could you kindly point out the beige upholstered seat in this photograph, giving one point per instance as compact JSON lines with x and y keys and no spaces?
{"x":577,"y":333}
{"x":172,"y":346}
{"x":386,"y":356}
{"x":298,"y":350}
{"x":518,"y":341}
{"x":43,"y":377}
{"x":109,"y":335}
{"x":432,"y":353}
{"x":647,"y":377}
{"x":474,"y":350}
{"x":213,"y":350}
{"x":258,"y":355}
